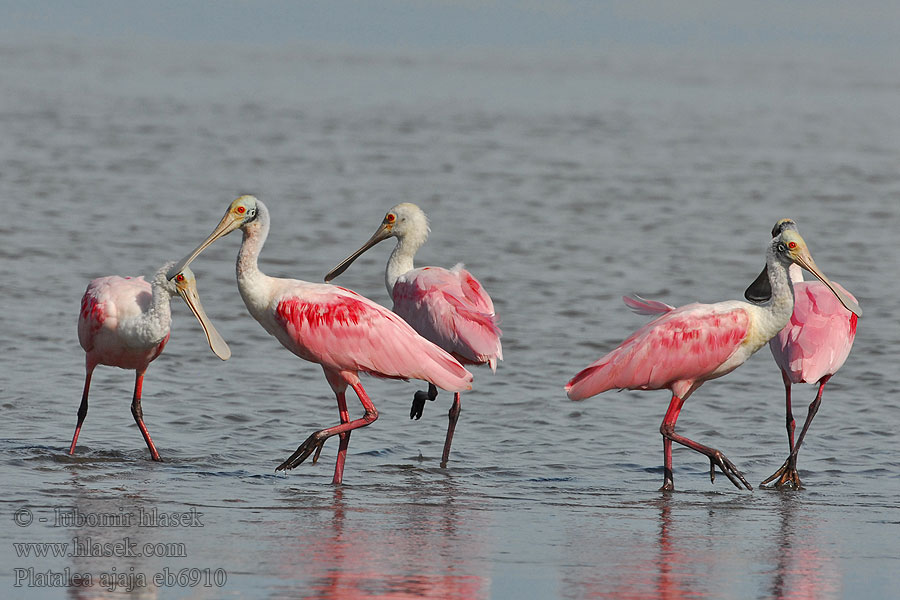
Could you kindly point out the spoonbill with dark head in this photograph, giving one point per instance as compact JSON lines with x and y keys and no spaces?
{"x":810,"y":349}
{"x":339,"y":329}
{"x":448,"y":307}
{"x":687,"y":346}
{"x":125,"y":322}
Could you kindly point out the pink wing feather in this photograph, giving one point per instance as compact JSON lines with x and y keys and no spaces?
{"x":642,"y":306}
{"x":684,"y":344}
{"x":344,"y":331}
{"x":819,"y":336}
{"x":451,"y":309}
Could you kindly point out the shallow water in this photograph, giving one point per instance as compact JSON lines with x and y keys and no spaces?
{"x":563,"y":182}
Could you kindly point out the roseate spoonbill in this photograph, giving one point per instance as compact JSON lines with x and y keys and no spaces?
{"x":684,"y":347}
{"x":447,"y":307}
{"x":124,"y":322}
{"x":810,"y":349}
{"x":339,"y":329}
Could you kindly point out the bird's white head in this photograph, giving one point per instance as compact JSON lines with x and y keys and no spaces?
{"x":405,"y":221}
{"x":184,"y":284}
{"x":788,"y":247}
{"x":243,"y":212}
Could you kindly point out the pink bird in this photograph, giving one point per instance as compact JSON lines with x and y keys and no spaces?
{"x":125,"y":322}
{"x":687,"y":346}
{"x":810,"y":349}
{"x":447,"y":307}
{"x":337,"y":328}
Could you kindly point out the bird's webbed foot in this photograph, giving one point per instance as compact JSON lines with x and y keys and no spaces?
{"x":717,"y":459}
{"x":418,"y":403}
{"x":785,"y":477}
{"x":313,"y":443}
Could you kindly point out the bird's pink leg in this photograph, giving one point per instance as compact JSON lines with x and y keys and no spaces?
{"x":138,"y":413}
{"x":451,"y":427}
{"x":716,"y":458}
{"x":345,"y":440}
{"x":82,"y":409}
{"x":315,"y":441}
{"x":671,"y":416}
{"x":788,"y":473}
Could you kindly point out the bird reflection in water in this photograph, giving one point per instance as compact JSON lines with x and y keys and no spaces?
{"x":674,"y":561}
{"x":802,"y":568}
{"x":411,"y":551}
{"x":90,"y":520}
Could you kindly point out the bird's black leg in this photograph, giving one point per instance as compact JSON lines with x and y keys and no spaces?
{"x":82,"y":409}
{"x":788,"y":475}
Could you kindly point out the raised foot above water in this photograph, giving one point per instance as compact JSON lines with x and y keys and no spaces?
{"x":418,"y":403}
{"x":717,"y":459}
{"x":312,"y":444}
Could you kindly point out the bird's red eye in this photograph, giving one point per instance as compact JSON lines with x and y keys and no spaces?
{"x":179,"y":278}
{"x":792,"y":245}
{"x":390,"y":218}
{"x":240,"y":210}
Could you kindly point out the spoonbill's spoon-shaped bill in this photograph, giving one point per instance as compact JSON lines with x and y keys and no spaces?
{"x":186,"y":284}
{"x":239,"y":212}
{"x":761,"y":289}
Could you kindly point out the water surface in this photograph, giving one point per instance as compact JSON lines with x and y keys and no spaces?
{"x":563,"y":181}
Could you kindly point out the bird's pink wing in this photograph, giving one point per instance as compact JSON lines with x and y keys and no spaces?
{"x":92,"y":314}
{"x":476,"y":296}
{"x":685,"y":344}
{"x":451,"y":309}
{"x":819,"y":336}
{"x":348,"y":332}
{"x":108,"y":300}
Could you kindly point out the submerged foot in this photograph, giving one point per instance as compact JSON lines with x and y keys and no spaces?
{"x":785,"y":477}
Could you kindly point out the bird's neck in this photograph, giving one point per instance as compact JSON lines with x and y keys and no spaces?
{"x":781,"y":305}
{"x":251,"y":281}
{"x":247,"y":266}
{"x":151,"y":327}
{"x":401,"y":260}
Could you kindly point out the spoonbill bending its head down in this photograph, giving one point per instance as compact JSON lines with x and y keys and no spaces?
{"x":124,"y":322}
{"x":447,"y":307}
{"x":810,"y":349}
{"x":342,"y":331}
{"x":686,"y":346}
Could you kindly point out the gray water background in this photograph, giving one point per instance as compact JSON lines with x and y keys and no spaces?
{"x":563,"y":180}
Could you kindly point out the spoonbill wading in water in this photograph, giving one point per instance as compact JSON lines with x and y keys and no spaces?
{"x":447,"y":307}
{"x":337,"y":328}
{"x":686,"y":346}
{"x":124,"y":322}
{"x":810,"y":349}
